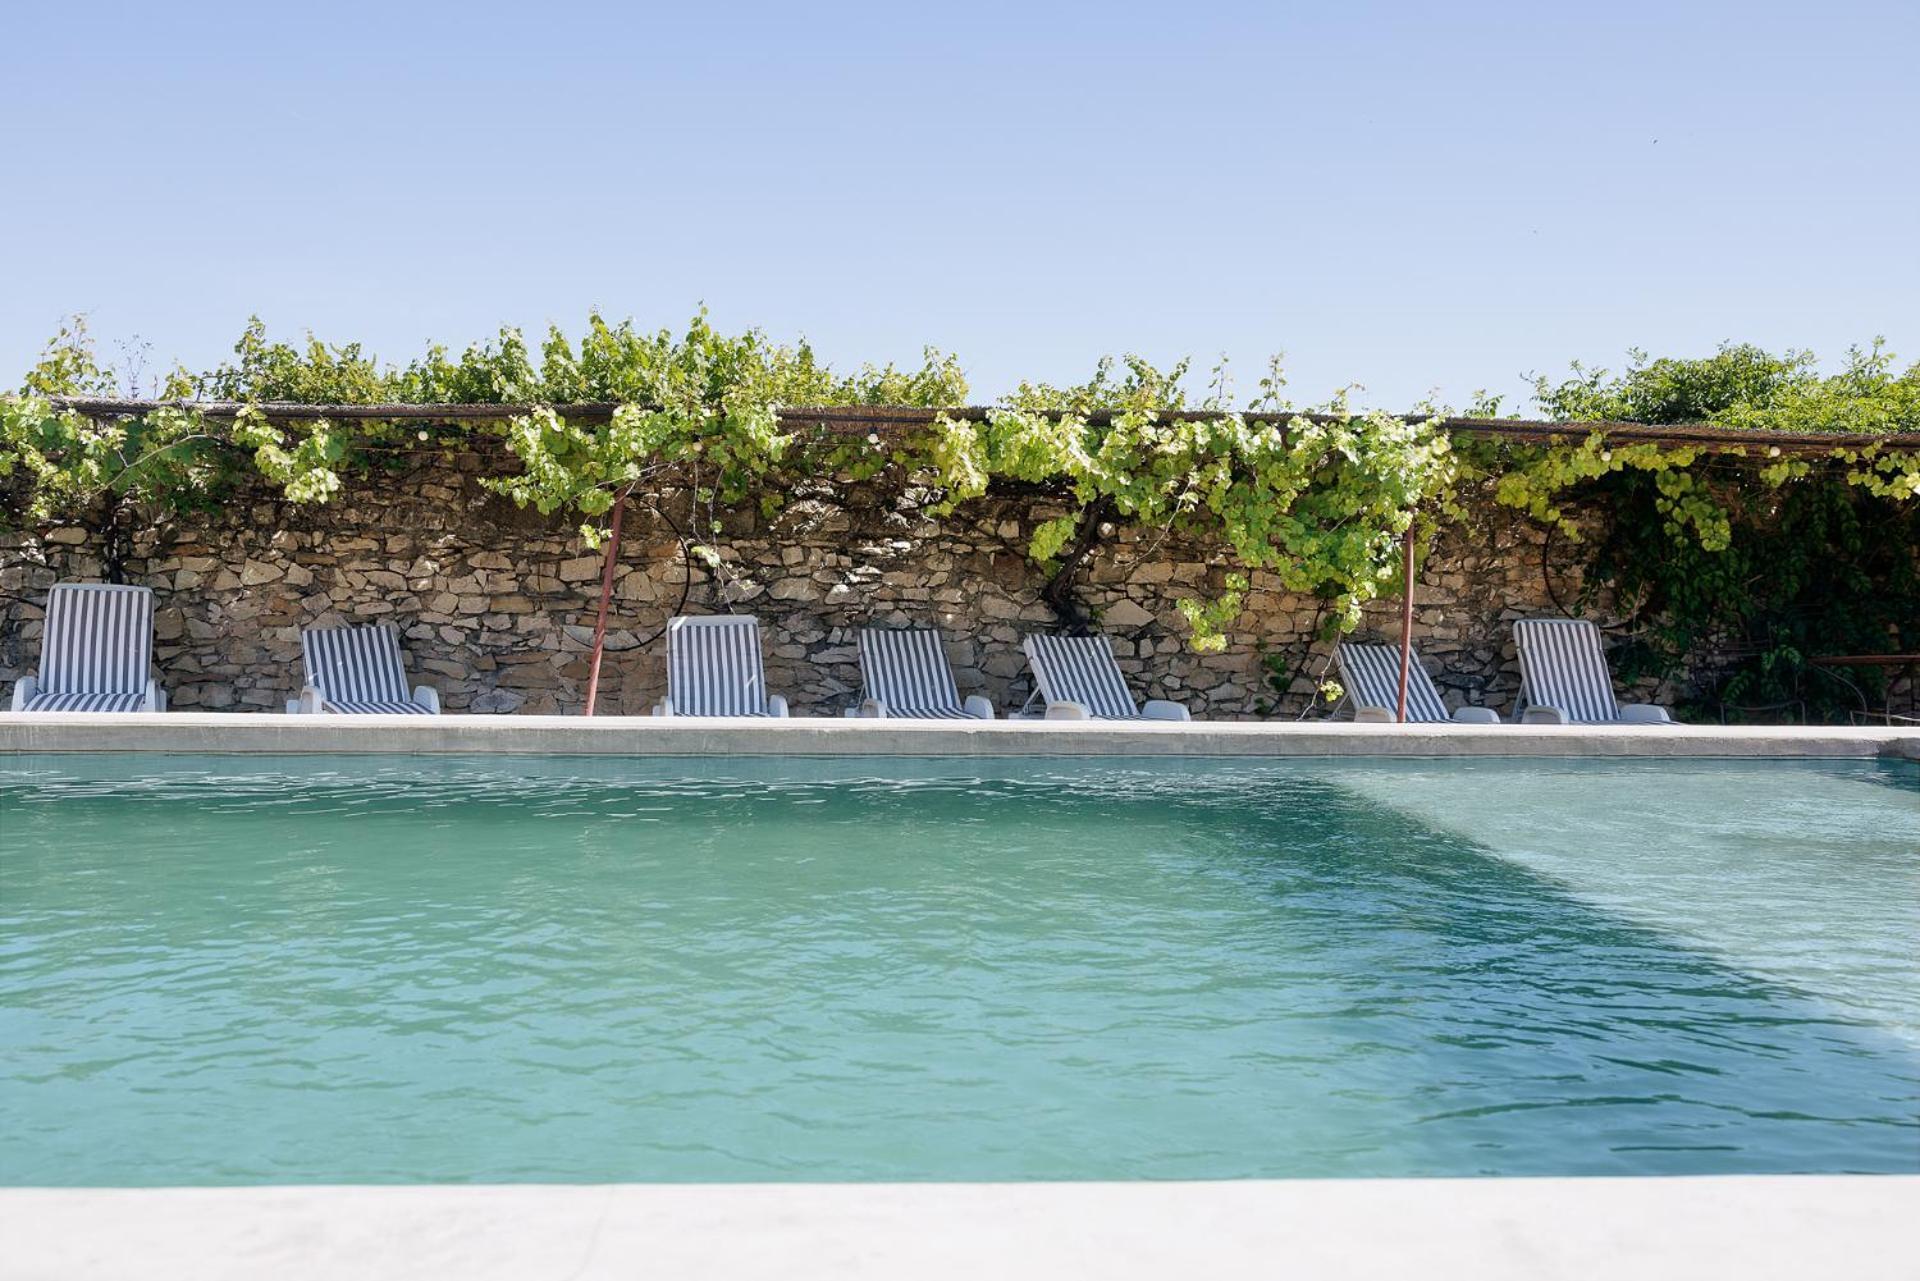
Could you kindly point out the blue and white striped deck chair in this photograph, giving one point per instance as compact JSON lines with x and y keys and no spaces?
{"x":713,"y":669}
{"x":1371,"y":674}
{"x":96,"y":652}
{"x":1564,"y":678}
{"x":904,"y":674}
{"x":1078,"y":679}
{"x":358,"y":671}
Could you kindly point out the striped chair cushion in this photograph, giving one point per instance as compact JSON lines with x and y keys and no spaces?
{"x":375,"y":707}
{"x":87,"y":703}
{"x":98,"y":640}
{"x":905,"y":668}
{"x":356,"y":668}
{"x":929,"y":713}
{"x":1080,"y":669}
{"x":1564,"y":665}
{"x":713,"y":666}
{"x":1372,"y":676}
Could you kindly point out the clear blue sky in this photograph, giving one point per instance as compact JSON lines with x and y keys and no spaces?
{"x":1413,"y":196}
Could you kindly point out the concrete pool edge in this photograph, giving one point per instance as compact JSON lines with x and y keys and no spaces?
{"x":647,"y":736}
{"x":1745,"y":1226}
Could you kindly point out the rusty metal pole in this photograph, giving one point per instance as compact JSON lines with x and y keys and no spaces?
{"x":606,"y":597}
{"x":1406,"y":625}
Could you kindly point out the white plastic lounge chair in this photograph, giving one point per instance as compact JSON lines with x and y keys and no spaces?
{"x":1564,"y":678}
{"x":1079,"y":680}
{"x":96,"y":653}
{"x":1371,"y":674}
{"x":713,"y":669}
{"x":358,"y":671}
{"x":906,"y":676}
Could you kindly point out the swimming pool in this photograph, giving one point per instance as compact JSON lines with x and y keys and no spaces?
{"x":234,"y":970}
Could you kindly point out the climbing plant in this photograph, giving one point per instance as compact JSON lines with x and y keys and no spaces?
{"x":1739,"y":386}
{"x":1318,"y":500}
{"x":1765,"y":559}
{"x":701,"y":402}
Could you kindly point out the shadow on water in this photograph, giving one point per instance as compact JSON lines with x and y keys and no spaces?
{"x":1529,"y":1024}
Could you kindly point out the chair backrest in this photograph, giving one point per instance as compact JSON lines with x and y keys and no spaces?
{"x":904,"y":667}
{"x":713,"y":666}
{"x":355,"y":664}
{"x":98,"y":639}
{"x":1563,"y":664}
{"x":1372,"y":677}
{"x":1080,"y":669}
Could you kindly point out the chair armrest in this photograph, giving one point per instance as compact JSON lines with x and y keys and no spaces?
{"x":979,"y":707}
{"x":1644,"y":714}
{"x":871,"y":708}
{"x":156,"y":697}
{"x":663,"y":708}
{"x":776,"y":706}
{"x":308,"y":704}
{"x":23,"y":690}
{"x":1539,"y":715}
{"x":1365,"y":715}
{"x":1064,"y":710}
{"x":1159,"y":709}
{"x":1476,"y":716}
{"x":428,"y":697}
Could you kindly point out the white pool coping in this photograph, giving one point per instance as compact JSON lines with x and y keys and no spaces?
{"x":198,"y":732}
{"x":1750,"y":1228}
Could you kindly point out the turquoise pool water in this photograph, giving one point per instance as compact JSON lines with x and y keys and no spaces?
{"x":226,"y":970}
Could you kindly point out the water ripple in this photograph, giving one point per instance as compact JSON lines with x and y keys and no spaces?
{"x":248,"y":970}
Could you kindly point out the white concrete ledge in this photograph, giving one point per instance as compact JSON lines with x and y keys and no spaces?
{"x":1700,"y":1229}
{"x":801,"y":736}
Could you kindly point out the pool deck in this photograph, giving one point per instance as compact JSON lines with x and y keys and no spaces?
{"x":803,"y":736}
{"x":1746,"y":1228}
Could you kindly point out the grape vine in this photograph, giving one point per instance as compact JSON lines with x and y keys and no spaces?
{"x":1319,"y":500}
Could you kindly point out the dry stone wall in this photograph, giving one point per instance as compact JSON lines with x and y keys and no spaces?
{"x":497,"y":605}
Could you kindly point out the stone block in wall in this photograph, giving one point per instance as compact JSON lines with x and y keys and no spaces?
{"x":740,"y":590}
{"x":497,"y":701}
{"x":635,"y":586}
{"x":1004,"y":663}
{"x":795,"y":589}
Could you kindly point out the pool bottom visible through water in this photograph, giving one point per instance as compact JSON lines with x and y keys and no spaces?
{"x":223,"y":970}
